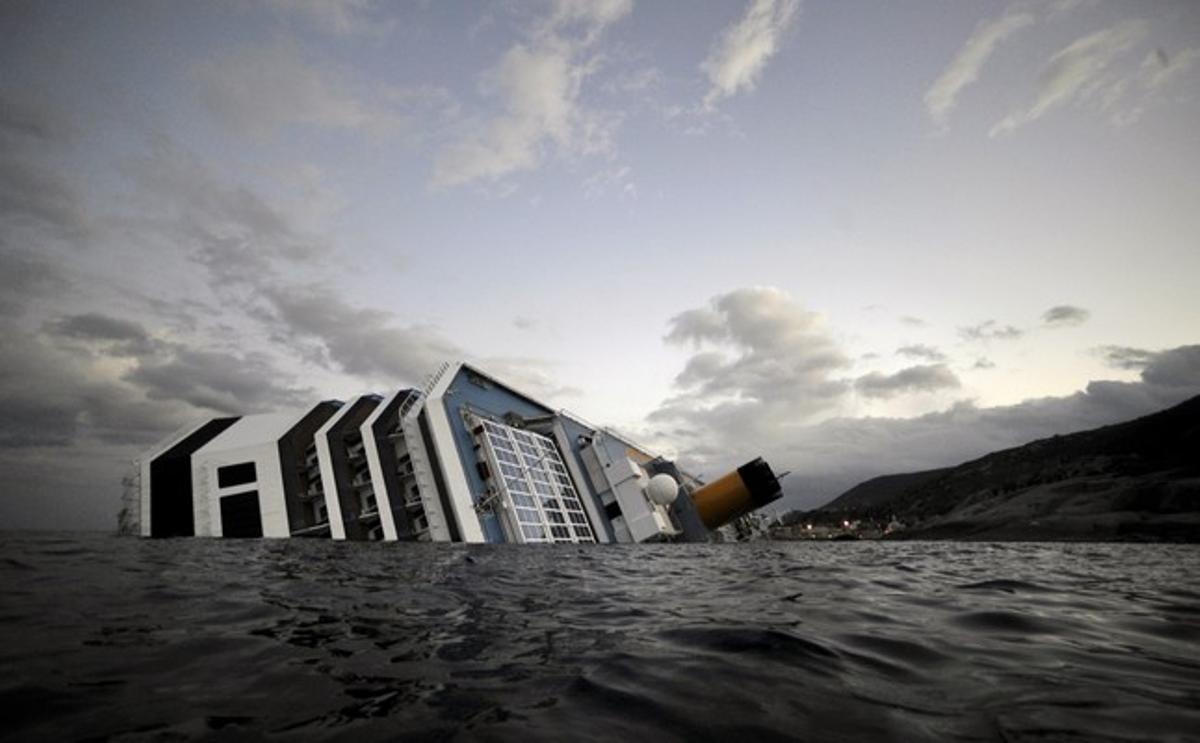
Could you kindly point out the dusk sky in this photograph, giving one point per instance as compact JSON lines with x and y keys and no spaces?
{"x":853,"y":237}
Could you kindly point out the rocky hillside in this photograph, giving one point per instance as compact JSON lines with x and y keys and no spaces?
{"x":1137,"y":480}
{"x":878,"y":491}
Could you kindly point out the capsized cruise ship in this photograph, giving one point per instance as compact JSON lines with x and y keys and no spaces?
{"x":466,"y":458}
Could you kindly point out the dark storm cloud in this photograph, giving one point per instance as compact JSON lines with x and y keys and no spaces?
{"x":921,"y":351}
{"x":34,"y":194}
{"x":253,"y":253}
{"x":1178,"y":368}
{"x":989,"y":330}
{"x":118,"y":337}
{"x":52,"y":398}
{"x":24,"y":277}
{"x":95,"y":326}
{"x":210,"y":380}
{"x":921,"y":378}
{"x":361,"y":341}
{"x":217,"y":381}
{"x":1064,"y":315}
{"x":21,"y":118}
{"x":28,"y":420}
{"x":60,"y":387}
{"x":232,"y":230}
{"x":1126,"y":357}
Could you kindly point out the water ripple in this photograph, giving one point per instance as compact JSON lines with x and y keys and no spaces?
{"x":186,"y":639}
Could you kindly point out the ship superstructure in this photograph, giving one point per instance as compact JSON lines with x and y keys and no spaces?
{"x":465,"y":458}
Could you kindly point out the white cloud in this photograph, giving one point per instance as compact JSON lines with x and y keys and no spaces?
{"x":615,"y":180}
{"x":1158,"y":71}
{"x":538,"y":83}
{"x":739,"y":56}
{"x":1160,"y":68}
{"x":990,"y":330}
{"x":921,"y":351}
{"x":964,"y":69}
{"x":1076,"y":72}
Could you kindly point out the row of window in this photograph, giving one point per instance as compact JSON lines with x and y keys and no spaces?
{"x":534,"y":481}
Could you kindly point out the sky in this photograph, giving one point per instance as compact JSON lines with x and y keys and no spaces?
{"x":855,"y":238}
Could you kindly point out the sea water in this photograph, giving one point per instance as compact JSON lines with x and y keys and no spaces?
{"x":130,"y":639}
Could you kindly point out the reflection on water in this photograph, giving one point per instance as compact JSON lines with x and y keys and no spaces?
{"x":106,"y":637}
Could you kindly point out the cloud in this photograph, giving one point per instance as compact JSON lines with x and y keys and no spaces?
{"x":121,"y":337}
{"x":227,"y":227}
{"x":37,"y":201}
{"x":1174,"y":369}
{"x":1064,"y":315}
{"x":1126,"y":357}
{"x":1157,"y":72}
{"x":362,"y":341}
{"x":990,"y":331}
{"x":617,"y":180}
{"x":762,"y":363}
{"x":764,"y":373}
{"x":26,"y":118}
{"x":538,"y":84}
{"x":1075,"y":72}
{"x":24,"y":277}
{"x":49,"y":397}
{"x":95,"y":326}
{"x":1159,"y":68}
{"x":253,"y":253}
{"x":260,"y":89}
{"x":737,"y":59}
{"x":964,"y":69}
{"x":217,"y":381}
{"x":831,"y":456}
{"x":921,"y":351}
{"x":921,"y":378}
{"x":121,"y":400}
{"x":912,"y":321}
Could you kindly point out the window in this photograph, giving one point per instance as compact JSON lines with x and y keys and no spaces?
{"x":534,"y":483}
{"x":236,"y":474}
{"x":240,"y":515}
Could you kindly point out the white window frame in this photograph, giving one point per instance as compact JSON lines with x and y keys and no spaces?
{"x":541,"y":503}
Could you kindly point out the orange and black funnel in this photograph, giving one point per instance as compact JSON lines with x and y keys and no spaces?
{"x":751,"y":486}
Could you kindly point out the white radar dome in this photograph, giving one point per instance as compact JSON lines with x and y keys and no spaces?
{"x":662,"y":489}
